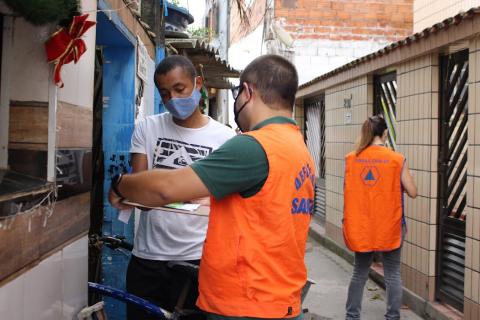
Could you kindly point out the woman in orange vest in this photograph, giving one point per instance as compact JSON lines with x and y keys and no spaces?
{"x":375,"y":179}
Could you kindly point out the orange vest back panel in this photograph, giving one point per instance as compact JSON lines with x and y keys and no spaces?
{"x":373,"y":200}
{"x":253,"y":258}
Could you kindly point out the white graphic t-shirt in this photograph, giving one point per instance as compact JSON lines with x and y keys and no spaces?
{"x":166,"y":235}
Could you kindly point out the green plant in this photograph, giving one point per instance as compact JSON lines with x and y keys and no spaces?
{"x":40,"y":12}
{"x":201,"y":33}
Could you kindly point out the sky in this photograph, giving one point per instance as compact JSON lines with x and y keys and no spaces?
{"x":196,"y":9}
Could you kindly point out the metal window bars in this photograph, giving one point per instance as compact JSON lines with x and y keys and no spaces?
{"x":385,"y":90}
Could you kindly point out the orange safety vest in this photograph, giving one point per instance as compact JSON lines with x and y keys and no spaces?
{"x":253,"y":257}
{"x":373,"y":200}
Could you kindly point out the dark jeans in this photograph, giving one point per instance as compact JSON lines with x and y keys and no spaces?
{"x":156,"y":282}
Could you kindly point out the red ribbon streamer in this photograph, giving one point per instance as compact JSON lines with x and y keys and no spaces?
{"x":65,"y":46}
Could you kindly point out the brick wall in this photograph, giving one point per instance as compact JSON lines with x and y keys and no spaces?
{"x":334,"y":20}
{"x":329,"y":34}
{"x":346,"y":20}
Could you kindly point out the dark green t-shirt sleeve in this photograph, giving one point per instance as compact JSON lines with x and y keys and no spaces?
{"x":239,"y":165}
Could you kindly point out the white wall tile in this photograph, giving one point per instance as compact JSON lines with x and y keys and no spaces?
{"x":75,"y":277}
{"x":43,"y":290}
{"x":11,"y":300}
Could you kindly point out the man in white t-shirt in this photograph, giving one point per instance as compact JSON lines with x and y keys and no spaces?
{"x":170,"y":140}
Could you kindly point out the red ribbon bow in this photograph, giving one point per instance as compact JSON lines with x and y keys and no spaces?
{"x":65,"y":46}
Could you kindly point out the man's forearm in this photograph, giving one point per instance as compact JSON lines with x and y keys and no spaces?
{"x":149,"y":188}
{"x":157,"y":187}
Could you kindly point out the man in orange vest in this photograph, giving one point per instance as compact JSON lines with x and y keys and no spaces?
{"x":261,"y":185}
{"x":375,"y":178}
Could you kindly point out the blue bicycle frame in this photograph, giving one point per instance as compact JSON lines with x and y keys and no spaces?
{"x":131,"y":299}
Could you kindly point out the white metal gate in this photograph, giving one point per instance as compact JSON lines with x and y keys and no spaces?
{"x":315,"y":140}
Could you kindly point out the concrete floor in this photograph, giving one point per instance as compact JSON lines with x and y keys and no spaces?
{"x":326,"y":299}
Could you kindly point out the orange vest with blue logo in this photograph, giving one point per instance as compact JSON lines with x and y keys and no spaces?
{"x":253,"y":257}
{"x":373,"y":200}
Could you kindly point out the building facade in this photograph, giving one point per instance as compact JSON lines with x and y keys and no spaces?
{"x":46,"y":141}
{"x":426,"y":88}
{"x":328,"y":34}
{"x":317,"y":36}
{"x":56,"y":147}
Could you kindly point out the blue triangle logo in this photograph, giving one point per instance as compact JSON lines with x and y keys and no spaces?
{"x":369,"y":176}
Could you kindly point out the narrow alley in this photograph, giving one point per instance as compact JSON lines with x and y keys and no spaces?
{"x":326,"y":299}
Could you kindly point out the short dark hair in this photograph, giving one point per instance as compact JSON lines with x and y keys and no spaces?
{"x":172,"y":62}
{"x":274,"y":77}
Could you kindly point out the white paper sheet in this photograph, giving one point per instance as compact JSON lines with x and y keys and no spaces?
{"x":124,"y":215}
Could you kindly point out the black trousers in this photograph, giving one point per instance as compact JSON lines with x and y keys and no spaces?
{"x":158,"y":283}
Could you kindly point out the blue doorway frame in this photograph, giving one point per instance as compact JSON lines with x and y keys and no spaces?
{"x":118,"y":121}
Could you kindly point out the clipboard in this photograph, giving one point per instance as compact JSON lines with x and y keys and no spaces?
{"x":202,"y":210}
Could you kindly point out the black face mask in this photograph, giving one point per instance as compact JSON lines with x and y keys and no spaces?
{"x":237,"y":113}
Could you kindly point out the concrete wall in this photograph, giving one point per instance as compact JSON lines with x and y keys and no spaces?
{"x":240,"y":55}
{"x":314,"y":57}
{"x":428,"y":12}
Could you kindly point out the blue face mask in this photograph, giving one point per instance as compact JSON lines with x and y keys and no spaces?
{"x":182,"y":108}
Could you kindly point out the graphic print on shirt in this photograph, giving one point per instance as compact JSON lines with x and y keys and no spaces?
{"x":171,"y":154}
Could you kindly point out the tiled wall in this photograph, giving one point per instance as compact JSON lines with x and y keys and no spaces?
{"x":472,"y":254}
{"x":417,"y":139}
{"x":55,"y":289}
{"x":299,"y":115}
{"x":417,"y":133}
{"x":428,"y":12}
{"x":341,"y":132}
